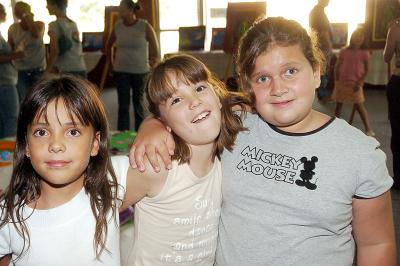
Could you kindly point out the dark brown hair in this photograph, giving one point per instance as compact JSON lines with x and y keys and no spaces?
{"x":265,"y":33}
{"x":133,"y":6}
{"x":81,"y":99}
{"x":191,"y":71}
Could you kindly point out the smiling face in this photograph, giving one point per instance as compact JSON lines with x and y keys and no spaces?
{"x":192,"y":112}
{"x":284,"y":83}
{"x":60,"y":150}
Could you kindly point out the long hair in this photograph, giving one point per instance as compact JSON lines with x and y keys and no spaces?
{"x":191,"y":71}
{"x":81,"y":99}
{"x":265,"y":33}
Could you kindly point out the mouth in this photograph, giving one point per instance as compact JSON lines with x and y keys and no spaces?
{"x":57,"y":163}
{"x":282,"y":103}
{"x":202,"y":116}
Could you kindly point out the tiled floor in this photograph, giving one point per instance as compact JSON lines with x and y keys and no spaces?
{"x":377,"y":109}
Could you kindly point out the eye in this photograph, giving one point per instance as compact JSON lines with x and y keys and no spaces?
{"x":262,"y":79}
{"x":175,"y":101}
{"x":74,"y":133}
{"x":201,"y":88}
{"x":40,"y":132}
{"x":291,"y":71}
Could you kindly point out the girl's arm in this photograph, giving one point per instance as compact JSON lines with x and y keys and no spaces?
{"x":142,"y":184}
{"x":5,"y":260}
{"x":53,"y":52}
{"x":36,"y":28}
{"x":152,"y":139}
{"x":338,"y":65}
{"x":373,"y":231}
{"x":154,"y":51}
{"x":393,"y":36}
{"x":108,"y":50}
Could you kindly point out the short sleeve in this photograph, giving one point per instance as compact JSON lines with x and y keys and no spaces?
{"x":5,"y":240}
{"x":121,"y":165}
{"x":373,"y":177}
{"x":53,"y":28}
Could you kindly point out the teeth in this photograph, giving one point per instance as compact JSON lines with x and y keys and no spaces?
{"x":200,"y":117}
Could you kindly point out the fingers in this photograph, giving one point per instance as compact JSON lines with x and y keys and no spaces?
{"x":136,"y":155}
{"x":165,"y":155}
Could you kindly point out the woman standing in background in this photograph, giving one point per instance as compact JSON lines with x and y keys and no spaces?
{"x":71,"y":60}
{"x":137,"y":51}
{"x":392,"y":47}
{"x":8,"y":81}
{"x":26,"y":35}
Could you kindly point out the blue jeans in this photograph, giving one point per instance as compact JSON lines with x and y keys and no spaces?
{"x":26,"y":79}
{"x":322,"y":91}
{"x":8,"y":110}
{"x":125,"y":83}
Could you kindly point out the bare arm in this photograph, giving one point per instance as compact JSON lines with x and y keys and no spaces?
{"x":393,"y":36}
{"x":5,"y":260}
{"x":53,"y":53}
{"x":373,"y":231}
{"x":153,"y":138}
{"x":142,"y":184}
{"x":154,"y":50}
{"x":109,"y":46}
{"x":36,"y":28}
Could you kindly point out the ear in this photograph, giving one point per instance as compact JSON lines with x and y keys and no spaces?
{"x":27,"y":150}
{"x":95,"y":144}
{"x":168,"y":129}
{"x":317,"y":76}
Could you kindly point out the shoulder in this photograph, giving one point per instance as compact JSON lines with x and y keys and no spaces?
{"x":350,"y":136}
{"x":13,"y":27}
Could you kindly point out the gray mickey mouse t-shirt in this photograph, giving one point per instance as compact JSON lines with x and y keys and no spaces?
{"x":287,"y":198}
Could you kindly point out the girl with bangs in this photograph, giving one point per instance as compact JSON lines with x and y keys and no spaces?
{"x":177,"y":210}
{"x":61,"y":205}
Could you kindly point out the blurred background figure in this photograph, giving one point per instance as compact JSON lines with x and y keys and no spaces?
{"x":392,"y":48}
{"x":8,"y":81}
{"x":319,"y":22}
{"x":26,"y":35}
{"x":71,"y":60}
{"x":136,"y":52}
{"x":350,"y":72}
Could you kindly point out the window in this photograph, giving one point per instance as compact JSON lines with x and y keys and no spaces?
{"x":88,"y":14}
{"x":212,"y":13}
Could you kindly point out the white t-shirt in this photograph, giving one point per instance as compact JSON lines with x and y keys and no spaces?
{"x":63,"y":236}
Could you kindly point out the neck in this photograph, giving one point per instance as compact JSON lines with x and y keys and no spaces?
{"x":52,"y":196}
{"x":130,"y":20}
{"x":202,"y":159}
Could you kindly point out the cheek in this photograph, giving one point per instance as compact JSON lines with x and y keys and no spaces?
{"x":260,"y":95}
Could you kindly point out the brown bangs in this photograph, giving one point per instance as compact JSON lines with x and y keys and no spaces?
{"x":160,"y":86}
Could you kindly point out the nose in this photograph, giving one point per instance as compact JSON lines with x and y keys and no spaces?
{"x":278,"y":87}
{"x":56,"y":144}
{"x":195,"y":101}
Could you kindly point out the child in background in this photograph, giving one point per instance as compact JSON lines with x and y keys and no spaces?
{"x":300,"y":187}
{"x":350,"y":72}
{"x":61,"y":206}
{"x":178,"y":210}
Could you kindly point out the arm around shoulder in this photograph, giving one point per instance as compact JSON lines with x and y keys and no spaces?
{"x":143,"y":184}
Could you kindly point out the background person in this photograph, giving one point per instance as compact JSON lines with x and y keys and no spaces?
{"x":8,"y":81}
{"x":136,"y":52}
{"x":26,"y":35}
{"x":350,"y":72}
{"x":392,"y":49}
{"x":319,"y":22}
{"x":71,"y":61}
